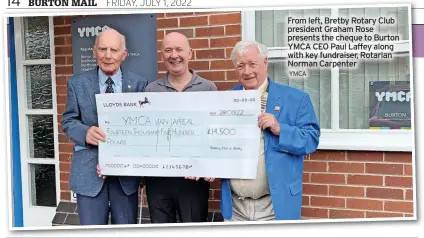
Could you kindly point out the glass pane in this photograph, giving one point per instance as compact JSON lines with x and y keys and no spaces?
{"x":39,"y":87}
{"x":43,"y":185}
{"x":41,"y":140}
{"x":317,"y":84}
{"x":359,"y":105}
{"x":37,"y":40}
{"x":271,"y":26}
{"x":395,"y":21}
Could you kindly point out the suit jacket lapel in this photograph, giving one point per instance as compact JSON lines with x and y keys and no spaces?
{"x":128,"y":85}
{"x":93,"y":88}
{"x":273,"y":106}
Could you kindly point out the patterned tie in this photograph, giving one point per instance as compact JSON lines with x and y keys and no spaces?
{"x":264,"y":99}
{"x":109,"y":88}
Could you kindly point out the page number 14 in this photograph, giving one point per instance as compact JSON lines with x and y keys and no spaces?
{"x":15,"y":2}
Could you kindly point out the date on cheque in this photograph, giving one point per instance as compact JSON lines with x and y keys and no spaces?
{"x":227,"y":113}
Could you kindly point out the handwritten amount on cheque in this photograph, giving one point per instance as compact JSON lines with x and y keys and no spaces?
{"x":169,"y":128}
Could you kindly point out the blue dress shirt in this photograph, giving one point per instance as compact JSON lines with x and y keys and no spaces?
{"x":117,"y":79}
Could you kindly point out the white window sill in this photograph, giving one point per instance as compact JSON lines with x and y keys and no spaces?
{"x":367,"y":140}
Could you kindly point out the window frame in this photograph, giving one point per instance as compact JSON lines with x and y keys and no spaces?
{"x":35,"y":215}
{"x":349,"y":139}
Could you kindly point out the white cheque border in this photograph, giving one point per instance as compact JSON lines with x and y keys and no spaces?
{"x":148,"y":164}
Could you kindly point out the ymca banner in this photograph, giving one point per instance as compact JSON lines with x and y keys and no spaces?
{"x":140,"y":42}
{"x":390,"y":105}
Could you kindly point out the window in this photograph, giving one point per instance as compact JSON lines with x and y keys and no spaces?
{"x":34,"y":41}
{"x":341,"y":96}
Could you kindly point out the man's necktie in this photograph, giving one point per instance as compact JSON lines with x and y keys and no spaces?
{"x":264,"y":99}
{"x":109,"y":88}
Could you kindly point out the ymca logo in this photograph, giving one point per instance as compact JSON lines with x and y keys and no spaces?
{"x":91,"y":31}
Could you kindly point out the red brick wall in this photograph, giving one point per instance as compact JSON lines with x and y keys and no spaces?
{"x":212,"y":36}
{"x":352,"y":184}
{"x":337,"y":184}
{"x":63,"y":60}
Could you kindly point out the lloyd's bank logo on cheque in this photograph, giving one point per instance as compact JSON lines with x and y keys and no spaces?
{"x":139,"y":104}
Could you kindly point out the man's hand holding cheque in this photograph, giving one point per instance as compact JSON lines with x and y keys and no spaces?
{"x":94,"y":135}
{"x":210,"y":180}
{"x":268,"y":121}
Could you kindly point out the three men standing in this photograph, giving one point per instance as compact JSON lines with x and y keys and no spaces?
{"x":289,"y":131}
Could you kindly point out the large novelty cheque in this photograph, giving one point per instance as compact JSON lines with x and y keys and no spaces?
{"x":202,"y":134}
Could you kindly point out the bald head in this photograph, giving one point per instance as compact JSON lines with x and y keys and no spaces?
{"x":110,"y":51}
{"x":175,"y":36}
{"x":176,"y":53}
{"x":114,"y":34}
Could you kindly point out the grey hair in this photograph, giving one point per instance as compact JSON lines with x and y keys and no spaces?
{"x":242,"y":46}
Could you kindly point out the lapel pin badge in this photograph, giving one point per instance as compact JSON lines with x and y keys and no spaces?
{"x":277,"y":108}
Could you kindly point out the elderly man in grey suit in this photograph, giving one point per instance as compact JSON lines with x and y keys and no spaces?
{"x":96,"y":196}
